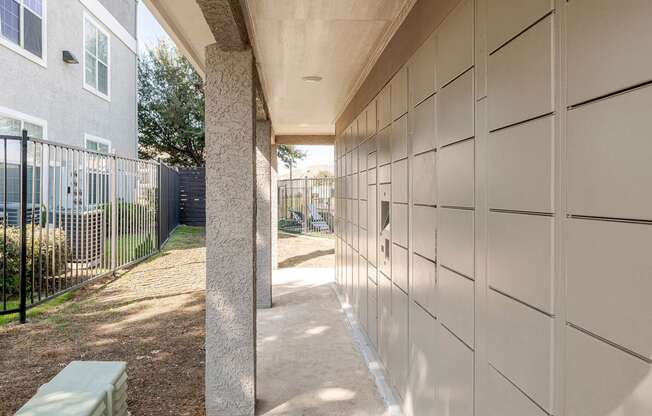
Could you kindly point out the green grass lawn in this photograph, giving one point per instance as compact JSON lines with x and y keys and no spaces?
{"x":184,"y":237}
{"x":35,"y":311}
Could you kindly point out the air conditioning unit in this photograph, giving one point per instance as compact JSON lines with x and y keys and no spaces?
{"x":83,"y":388}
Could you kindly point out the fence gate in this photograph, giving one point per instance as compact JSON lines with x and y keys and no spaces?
{"x":306,"y":206}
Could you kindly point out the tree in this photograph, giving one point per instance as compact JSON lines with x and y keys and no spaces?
{"x":324,"y":174}
{"x":289,"y":154}
{"x":170,"y":108}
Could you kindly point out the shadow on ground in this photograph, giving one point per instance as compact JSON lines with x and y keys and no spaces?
{"x":152,"y":317}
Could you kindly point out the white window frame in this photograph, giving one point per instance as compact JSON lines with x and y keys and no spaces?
{"x":42,"y":61}
{"x":102,"y":29}
{"x":97,"y":139}
{"x":25,"y":118}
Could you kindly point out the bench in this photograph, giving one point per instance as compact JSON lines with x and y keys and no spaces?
{"x":83,"y":388}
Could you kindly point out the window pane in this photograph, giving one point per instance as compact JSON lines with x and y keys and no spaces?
{"x":103,"y":148}
{"x":35,"y":6}
{"x":91,"y":145}
{"x":90,"y":41}
{"x":103,"y":47}
{"x":34,"y":130}
{"x":102,"y":78}
{"x":91,"y":71}
{"x":33,"y":33}
{"x":9,"y":126}
{"x":10,"y":20}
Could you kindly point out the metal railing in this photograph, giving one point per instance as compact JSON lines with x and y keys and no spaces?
{"x":306,"y":206}
{"x":69,"y":216}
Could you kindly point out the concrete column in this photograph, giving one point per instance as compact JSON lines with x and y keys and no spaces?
{"x":274,"y":180}
{"x":230,"y":240}
{"x":263,"y":215}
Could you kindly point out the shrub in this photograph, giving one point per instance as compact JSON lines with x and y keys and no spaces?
{"x":36,"y":260}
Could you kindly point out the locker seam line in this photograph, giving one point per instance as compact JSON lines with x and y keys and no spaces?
{"x":609,"y":342}
{"x":510,"y":40}
{"x":517,"y":123}
{"x":548,"y":314}
{"x":518,"y":388}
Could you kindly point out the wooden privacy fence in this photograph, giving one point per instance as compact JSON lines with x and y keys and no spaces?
{"x":192,"y":196}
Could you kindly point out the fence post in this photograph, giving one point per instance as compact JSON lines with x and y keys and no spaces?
{"x":23,"y":228}
{"x":114,"y":213}
{"x":159,"y":204}
{"x":305,"y":205}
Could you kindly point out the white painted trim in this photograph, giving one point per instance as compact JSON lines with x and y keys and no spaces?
{"x":44,"y":39}
{"x":100,"y":28}
{"x":111,"y":23}
{"x":8,"y":112}
{"x":97,"y":139}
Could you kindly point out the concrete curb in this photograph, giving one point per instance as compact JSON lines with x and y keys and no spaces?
{"x":371,"y":358}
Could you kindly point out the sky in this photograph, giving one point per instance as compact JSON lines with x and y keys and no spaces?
{"x":149,"y":31}
{"x":149,"y":34}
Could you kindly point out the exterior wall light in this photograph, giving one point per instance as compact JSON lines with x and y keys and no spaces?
{"x":69,"y":58}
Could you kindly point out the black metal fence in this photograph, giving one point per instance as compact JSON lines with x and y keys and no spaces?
{"x":306,"y":206}
{"x":70,"y":215}
{"x":169,"y":197}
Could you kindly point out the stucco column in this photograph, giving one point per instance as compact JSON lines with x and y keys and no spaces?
{"x":274,"y":180}
{"x":230,"y":240}
{"x":263,"y":215}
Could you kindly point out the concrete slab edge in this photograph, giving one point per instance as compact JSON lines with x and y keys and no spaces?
{"x":371,"y":358}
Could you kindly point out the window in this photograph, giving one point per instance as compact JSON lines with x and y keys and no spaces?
{"x":96,"y":58}
{"x":97,"y":144}
{"x":12,"y":123}
{"x":22,"y":27}
{"x":97,"y":184}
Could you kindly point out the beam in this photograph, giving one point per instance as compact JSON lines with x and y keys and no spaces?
{"x":305,"y":139}
{"x":226,"y":20}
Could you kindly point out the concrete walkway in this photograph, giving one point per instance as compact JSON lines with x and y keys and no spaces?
{"x":308,"y":363}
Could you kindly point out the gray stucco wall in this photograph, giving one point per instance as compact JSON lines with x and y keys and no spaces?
{"x":56,"y":93}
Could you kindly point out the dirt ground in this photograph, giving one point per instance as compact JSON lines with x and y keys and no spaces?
{"x":305,"y":251}
{"x":151,"y":317}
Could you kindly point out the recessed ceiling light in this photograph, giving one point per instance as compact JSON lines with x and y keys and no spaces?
{"x":312,"y":78}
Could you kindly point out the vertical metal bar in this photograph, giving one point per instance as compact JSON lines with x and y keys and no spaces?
{"x":23,"y":228}
{"x":76,"y":157}
{"x":5,"y":219}
{"x":66,"y":219}
{"x":60,"y":239}
{"x":131,"y":211}
{"x":114,"y":213}
{"x":305,"y":205}
{"x":33,"y":281}
{"x":83,"y":218}
{"x":40,"y":223}
{"x":47,"y":224}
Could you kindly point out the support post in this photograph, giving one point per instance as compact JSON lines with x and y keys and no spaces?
{"x":274,"y":196}
{"x":230,"y":233}
{"x":23,"y":229}
{"x":263,"y":215}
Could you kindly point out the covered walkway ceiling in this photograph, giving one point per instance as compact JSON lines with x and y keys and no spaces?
{"x":337,"y":41}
